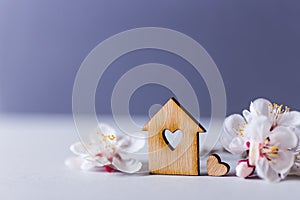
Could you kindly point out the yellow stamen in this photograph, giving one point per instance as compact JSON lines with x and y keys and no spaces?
{"x":239,"y":130}
{"x":111,"y":137}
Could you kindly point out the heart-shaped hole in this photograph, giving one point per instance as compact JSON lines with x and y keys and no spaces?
{"x":172,"y":139}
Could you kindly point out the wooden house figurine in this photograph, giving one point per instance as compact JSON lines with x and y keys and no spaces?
{"x":167,"y":154}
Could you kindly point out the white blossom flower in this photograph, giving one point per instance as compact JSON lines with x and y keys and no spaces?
{"x":268,"y":132}
{"x":278,"y":115}
{"x":233,"y":138}
{"x":270,"y":151}
{"x":106,"y":149}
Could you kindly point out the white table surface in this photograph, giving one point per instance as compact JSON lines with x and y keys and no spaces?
{"x":33,"y":149}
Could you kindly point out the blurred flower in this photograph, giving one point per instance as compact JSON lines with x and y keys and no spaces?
{"x":106,"y":149}
{"x":233,"y":138}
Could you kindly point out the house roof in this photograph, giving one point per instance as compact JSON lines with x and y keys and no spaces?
{"x":173,"y":100}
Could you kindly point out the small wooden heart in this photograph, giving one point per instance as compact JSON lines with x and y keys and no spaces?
{"x":215,"y":167}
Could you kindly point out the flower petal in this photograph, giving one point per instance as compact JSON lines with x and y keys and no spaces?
{"x":290,"y":119}
{"x":229,"y":138}
{"x":80,"y":163}
{"x":253,"y":152}
{"x":91,"y":163}
{"x":260,"y":107}
{"x":233,"y":121}
{"x":78,"y":149}
{"x":258,"y":129}
{"x":74,"y":162}
{"x":129,"y":145}
{"x":102,"y":160}
{"x":247,"y":115}
{"x":265,"y":171}
{"x":283,"y":163}
{"x":88,"y":165}
{"x":285,"y":137}
{"x":106,"y":129}
{"x":237,"y":146}
{"x":126,"y":165}
{"x":295,"y":170}
{"x":102,"y":137}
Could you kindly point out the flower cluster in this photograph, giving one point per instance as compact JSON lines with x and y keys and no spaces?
{"x":105,"y":149}
{"x":268,"y":134}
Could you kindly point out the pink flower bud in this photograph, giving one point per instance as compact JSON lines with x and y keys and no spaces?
{"x":243,"y":169}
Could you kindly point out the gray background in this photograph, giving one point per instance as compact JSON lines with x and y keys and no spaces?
{"x":255,"y":45}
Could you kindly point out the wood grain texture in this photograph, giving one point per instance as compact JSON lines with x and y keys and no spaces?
{"x":184,"y":159}
{"x":215,"y":167}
